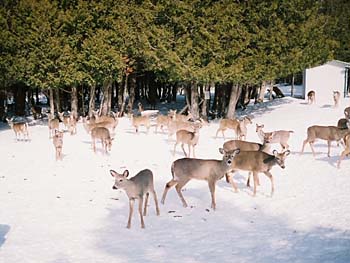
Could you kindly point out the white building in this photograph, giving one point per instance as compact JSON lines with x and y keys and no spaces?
{"x":326,"y":78}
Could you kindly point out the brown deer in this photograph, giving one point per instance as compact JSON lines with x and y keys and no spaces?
{"x":65,"y":118}
{"x":185,"y":169}
{"x":328,"y":133}
{"x":102,"y":134}
{"x":189,"y":138}
{"x":138,"y":121}
{"x":90,"y":124}
{"x":58,"y":143}
{"x":280,"y":136}
{"x":20,"y":129}
{"x":136,"y":187}
{"x":36,"y":111}
{"x":54,"y":125}
{"x":242,"y":128}
{"x":238,"y":126}
{"x":336,"y":98}
{"x":311,"y":97}
{"x":256,"y":162}
{"x":346,"y":151}
{"x":164,"y":120}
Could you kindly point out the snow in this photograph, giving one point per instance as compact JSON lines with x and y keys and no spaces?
{"x":66,"y":211}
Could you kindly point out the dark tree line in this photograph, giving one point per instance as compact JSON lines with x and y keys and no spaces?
{"x":87,"y":53}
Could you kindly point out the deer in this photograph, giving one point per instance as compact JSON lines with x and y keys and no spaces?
{"x":336,"y":98}
{"x":103,"y":134}
{"x":328,"y":133}
{"x":58,"y":143}
{"x":256,"y":162}
{"x":279,"y":136}
{"x":19,"y":128}
{"x":37,"y":111}
{"x":65,"y":118}
{"x":346,"y":151}
{"x":347,"y":112}
{"x":164,"y":120}
{"x":238,"y":126}
{"x":91,"y":124}
{"x":189,"y":138}
{"x":311,"y":97}
{"x":54,"y":125}
{"x":138,"y":121}
{"x":136,"y":187}
{"x":242,"y":128}
{"x":185,"y":169}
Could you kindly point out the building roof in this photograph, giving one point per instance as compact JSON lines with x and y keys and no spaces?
{"x":334,"y":62}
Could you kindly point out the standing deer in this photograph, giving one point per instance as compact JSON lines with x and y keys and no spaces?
{"x":238,"y":126}
{"x":336,"y":98}
{"x":189,"y":138}
{"x":138,"y":121}
{"x":19,"y":128}
{"x":54,"y":125}
{"x":242,"y":128}
{"x":280,"y":136}
{"x":185,"y":169}
{"x":311,"y":97}
{"x":58,"y":143}
{"x":65,"y":118}
{"x":164,"y":120}
{"x":346,"y":150}
{"x":328,"y":133}
{"x":136,"y":188}
{"x":104,"y":135}
{"x":257,"y":162}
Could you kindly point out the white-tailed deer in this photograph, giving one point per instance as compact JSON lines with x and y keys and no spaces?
{"x":92,"y":123}
{"x":346,"y":151}
{"x":20,"y":129}
{"x":347,"y":112}
{"x":336,"y":98}
{"x":136,"y":187}
{"x":238,"y":126}
{"x":102,"y":134}
{"x":242,"y":128}
{"x":54,"y":124}
{"x":37,"y":111}
{"x":138,"y":121}
{"x":65,"y":118}
{"x":189,"y":138}
{"x":280,"y":136}
{"x":164,"y":120}
{"x":256,"y":162}
{"x":185,"y":169}
{"x":58,"y":143}
{"x":328,"y":133}
{"x":311,"y":97}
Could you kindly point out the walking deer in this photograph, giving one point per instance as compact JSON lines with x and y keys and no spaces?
{"x":238,"y":126}
{"x":20,"y":129}
{"x":189,"y":138}
{"x":336,"y":98}
{"x":58,"y":143}
{"x":280,"y":136}
{"x":311,"y":97}
{"x":136,"y":187}
{"x":256,"y":162}
{"x":102,"y":134}
{"x":185,"y":169}
{"x":54,"y":125}
{"x":328,"y":133}
{"x":346,"y":150}
{"x":164,"y":120}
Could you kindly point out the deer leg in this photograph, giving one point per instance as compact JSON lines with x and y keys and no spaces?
{"x":189,"y":150}
{"x":230,"y":180}
{"x":131,"y":209}
{"x":194,"y":155}
{"x":304,"y":143}
{"x":329,"y":148}
{"x":211,"y":185}
{"x":145,"y":206}
{"x":178,"y":188}
{"x":166,"y":189}
{"x":216,"y":135}
{"x":140,"y":212}
{"x":312,"y":148}
{"x":255,"y":177}
{"x":269,"y":175}
{"x":174,"y":148}
{"x":345,"y":152}
{"x":183,"y":149}
{"x":156,"y":201}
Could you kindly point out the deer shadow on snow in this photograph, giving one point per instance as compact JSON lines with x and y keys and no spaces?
{"x":199,"y":234}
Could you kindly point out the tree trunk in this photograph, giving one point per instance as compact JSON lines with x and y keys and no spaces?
{"x":92,"y":99}
{"x":292,"y":88}
{"x":234,"y":96}
{"x":57,"y":100}
{"x":262,"y":91}
{"x":206,"y":102}
{"x":74,"y":102}
{"x":131,"y":92}
{"x":2,"y":104}
{"x":125,"y":93}
{"x":120,"y":99}
{"x":194,"y":100}
{"x":20,"y":98}
{"x":52,"y":103}
{"x":105,"y":107}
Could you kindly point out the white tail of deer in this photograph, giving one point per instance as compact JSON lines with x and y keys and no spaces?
{"x":136,"y":187}
{"x":20,"y":129}
{"x":102,"y":134}
{"x":185,"y":169}
{"x":257,"y":162}
{"x":328,"y":133}
{"x":58,"y":143}
{"x":280,"y":136}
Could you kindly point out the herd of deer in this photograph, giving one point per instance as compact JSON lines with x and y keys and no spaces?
{"x":238,"y":154}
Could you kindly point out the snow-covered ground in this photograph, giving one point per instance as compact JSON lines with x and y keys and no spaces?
{"x":66,"y":211}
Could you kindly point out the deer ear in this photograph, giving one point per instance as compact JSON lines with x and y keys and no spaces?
{"x":221,"y":150}
{"x":126,"y":173}
{"x":287,"y":152}
{"x":237,"y":151}
{"x":113,"y":173}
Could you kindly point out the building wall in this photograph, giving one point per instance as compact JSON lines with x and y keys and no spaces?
{"x":324,"y":80}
